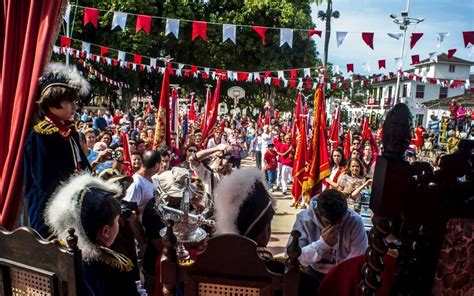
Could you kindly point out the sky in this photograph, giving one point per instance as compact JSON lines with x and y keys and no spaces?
{"x":357,"y":16}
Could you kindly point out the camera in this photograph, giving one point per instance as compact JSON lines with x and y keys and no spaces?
{"x":127,"y":208}
{"x":117,"y":154}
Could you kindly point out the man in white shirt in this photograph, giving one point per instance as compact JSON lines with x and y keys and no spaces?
{"x":142,"y":188}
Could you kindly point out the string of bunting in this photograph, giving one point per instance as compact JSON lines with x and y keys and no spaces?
{"x":229,"y":31}
{"x":91,"y":71}
{"x":307,"y":81}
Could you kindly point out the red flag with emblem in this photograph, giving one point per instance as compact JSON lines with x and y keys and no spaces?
{"x":162,"y":130}
{"x":319,"y":162}
{"x":300,"y":155}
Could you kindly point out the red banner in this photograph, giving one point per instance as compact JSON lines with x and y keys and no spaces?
{"x":212,"y":110}
{"x":300,"y":155}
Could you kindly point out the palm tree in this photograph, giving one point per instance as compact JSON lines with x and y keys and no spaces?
{"x":326,"y":16}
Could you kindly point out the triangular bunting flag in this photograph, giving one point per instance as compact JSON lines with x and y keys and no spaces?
{"x":119,"y":20}
{"x":414,"y":39}
{"x":398,"y":63}
{"x":366,"y":67}
{"x":91,"y":15}
{"x":382,"y":64}
{"x":65,"y":41}
{"x":172,"y":26}
{"x":199,"y":30}
{"x":143,"y":23}
{"x":137,"y":58}
{"x":368,"y":39}
{"x":306,"y":72}
{"x":104,"y":50}
{"x":441,"y":37}
{"x":468,"y":37}
{"x":229,"y":32}
{"x":312,"y":32}
{"x":261,"y":31}
{"x":286,"y":36}
{"x":121,"y":56}
{"x":350,"y":68}
{"x":340,"y":36}
{"x":415,"y":59}
{"x":433,"y":57}
{"x":451,"y":52}
{"x":395,"y":35}
{"x":152,"y":62}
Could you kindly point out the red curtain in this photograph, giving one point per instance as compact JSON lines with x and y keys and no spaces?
{"x":27,"y":28}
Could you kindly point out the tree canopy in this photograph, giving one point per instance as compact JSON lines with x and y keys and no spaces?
{"x":249,"y":54}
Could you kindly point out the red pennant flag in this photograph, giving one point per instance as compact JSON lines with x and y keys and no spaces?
{"x":143,"y":23}
{"x":468,"y":37}
{"x":194,"y":69}
{"x":242,"y":76}
{"x":199,"y":30}
{"x":91,"y":15}
{"x":65,"y":41}
{"x":415,"y":59}
{"x":348,"y":144}
{"x":312,"y":32}
{"x":206,"y":108}
{"x":137,"y":59}
{"x":368,"y":39}
{"x":308,"y":83}
{"x":163,"y":115}
{"x":292,"y":83}
{"x":293,"y":73}
{"x":267,"y":74}
{"x":451,"y":52}
{"x":261,"y":31}
{"x":382,"y":64}
{"x":192,"y":111}
{"x":204,"y":75}
{"x":104,"y":50}
{"x":300,"y":155}
{"x":212,"y":110}
{"x":414,"y":39}
{"x":127,"y":158}
{"x":334,"y":131}
{"x":350,"y":68}
{"x":276,"y":81}
{"x":367,"y":135}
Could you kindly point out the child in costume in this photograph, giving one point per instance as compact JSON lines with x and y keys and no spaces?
{"x":52,"y":150}
{"x":91,"y":206}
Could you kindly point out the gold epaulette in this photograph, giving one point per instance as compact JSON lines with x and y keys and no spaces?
{"x":116,"y":260}
{"x":45,"y":127}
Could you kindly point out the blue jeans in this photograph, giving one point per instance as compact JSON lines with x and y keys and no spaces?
{"x":271,"y":177}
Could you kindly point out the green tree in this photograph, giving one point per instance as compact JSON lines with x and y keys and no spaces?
{"x":247,"y":55}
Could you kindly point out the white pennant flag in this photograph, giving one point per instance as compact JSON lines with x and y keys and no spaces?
{"x":281,"y":75}
{"x":340,"y":36}
{"x":268,"y":80}
{"x":55,"y":49}
{"x":122,"y":64}
{"x":161,"y":70}
{"x":229,"y":32}
{"x":256,"y":76}
{"x":172,"y":26}
{"x":441,"y":37}
{"x":121,"y":56}
{"x":286,"y":36}
{"x":395,"y":35}
{"x":470,"y":50}
{"x":467,"y":85}
{"x":152,"y":62}
{"x":315,"y":85}
{"x":366,"y":67}
{"x":335,"y":69}
{"x":120,"y":20}
{"x":235,"y":76}
{"x":109,"y":61}
{"x":307,"y":72}
{"x":230,"y":75}
{"x":206,"y":70}
{"x":285,"y":82}
{"x":398,"y":63}
{"x":134,"y":67}
{"x":86,"y":47}
{"x":148,"y":69}
{"x":433,"y":57}
{"x":97,"y":58}
{"x":67,"y":14}
{"x":213,"y":75}
{"x":300,"y":83}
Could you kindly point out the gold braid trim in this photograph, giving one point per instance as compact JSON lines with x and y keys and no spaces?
{"x":45,"y":127}
{"x":116,"y":260}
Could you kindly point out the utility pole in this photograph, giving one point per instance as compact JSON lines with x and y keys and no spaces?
{"x":404,"y":21}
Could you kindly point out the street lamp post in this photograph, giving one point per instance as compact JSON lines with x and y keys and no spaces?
{"x":404,"y":21}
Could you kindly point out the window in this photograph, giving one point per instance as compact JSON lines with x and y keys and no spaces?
{"x":404,"y":91}
{"x":380,"y":92}
{"x":390,"y":89}
{"x":452,"y":68}
{"x":420,"y":91}
{"x":419,"y":119}
{"x":443,"y":92}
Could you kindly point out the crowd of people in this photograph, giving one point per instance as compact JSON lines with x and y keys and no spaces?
{"x":79,"y":158}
